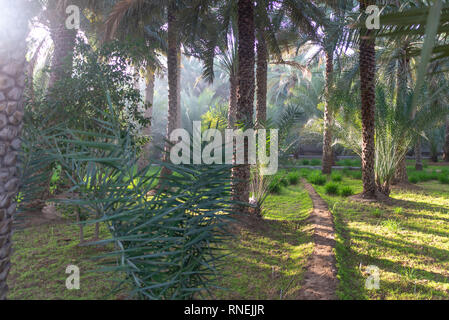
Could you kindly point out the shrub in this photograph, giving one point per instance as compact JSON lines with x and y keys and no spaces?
{"x":346,"y":191}
{"x":293,"y":177}
{"x":304,"y":172}
{"x":331,"y":188}
{"x":376,"y":212}
{"x":305,"y":162}
{"x":337,"y":177}
{"x":393,"y":225}
{"x":316,"y":178}
{"x":413,"y":178}
{"x":275,"y":185}
{"x":284,"y":181}
{"x":443,"y":178}
{"x":315,"y":162}
{"x":356,"y":174}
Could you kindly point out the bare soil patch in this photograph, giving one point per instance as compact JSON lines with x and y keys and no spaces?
{"x":320,"y":280}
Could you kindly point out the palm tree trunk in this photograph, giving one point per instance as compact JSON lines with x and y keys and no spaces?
{"x":261,"y":78}
{"x":328,"y":157}
{"x":446,"y":142}
{"x":172,"y":66}
{"x":12,"y":83}
{"x":149,"y":97}
{"x":400,"y":175}
{"x":64,"y":44}
{"x":368,"y":94}
{"x":245,"y":95}
{"x":232,"y":109}
{"x":418,"y":155}
{"x":178,"y":87}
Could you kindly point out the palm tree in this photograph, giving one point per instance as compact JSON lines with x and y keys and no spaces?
{"x":446,"y":142}
{"x":63,"y":40}
{"x":261,"y":78}
{"x":13,"y":33}
{"x":245,"y":94}
{"x":367,"y":56}
{"x":127,"y":24}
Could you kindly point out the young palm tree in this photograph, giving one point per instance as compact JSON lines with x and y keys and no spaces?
{"x":367,"y":56}
{"x":13,"y":47}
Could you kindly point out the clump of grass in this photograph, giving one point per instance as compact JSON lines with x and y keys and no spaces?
{"x":304,"y":172}
{"x":331,"y":188}
{"x":376,"y":212}
{"x":316,"y":178}
{"x":346,"y":191}
{"x":413,"y":178}
{"x":392,"y":225}
{"x":275,"y":185}
{"x":398,"y":210}
{"x":336,"y":177}
{"x":284,"y":181}
{"x":443,"y":178}
{"x":353,"y":174}
{"x":293,"y":177}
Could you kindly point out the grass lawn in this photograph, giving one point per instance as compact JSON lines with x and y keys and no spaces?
{"x":41,"y":256}
{"x":267,"y":260}
{"x":407,"y":241}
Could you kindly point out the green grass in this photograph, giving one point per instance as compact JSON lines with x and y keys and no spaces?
{"x":41,"y":256}
{"x":407,"y":241}
{"x":270,"y":258}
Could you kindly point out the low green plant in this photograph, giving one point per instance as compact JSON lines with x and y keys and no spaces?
{"x":315,"y":162}
{"x":275,"y":185}
{"x":346,"y":191}
{"x":356,"y":175}
{"x":293,"y":177}
{"x":304,"y":172}
{"x":376,"y":212}
{"x":336,"y":176}
{"x":305,"y":162}
{"x":317,"y":178}
{"x":391,"y":224}
{"x":331,"y":188}
{"x":443,"y":178}
{"x":284,"y":181}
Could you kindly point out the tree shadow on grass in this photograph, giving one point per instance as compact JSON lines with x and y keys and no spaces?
{"x":264,"y":259}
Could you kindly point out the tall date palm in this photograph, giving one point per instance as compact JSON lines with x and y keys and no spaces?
{"x":367,"y":56}
{"x":13,"y":32}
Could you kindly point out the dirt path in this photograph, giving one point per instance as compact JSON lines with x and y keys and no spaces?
{"x":320,"y":280}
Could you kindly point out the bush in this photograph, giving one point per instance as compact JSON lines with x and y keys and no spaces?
{"x":337,"y":177}
{"x":305,"y":162}
{"x":275,"y":186}
{"x":355,"y":174}
{"x":315,"y":162}
{"x":317,"y":178}
{"x":293,"y":177}
{"x":413,"y":178}
{"x":284,"y":181}
{"x":331,"y":188}
{"x":304,"y":172}
{"x":346,"y":191}
{"x":443,"y":178}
